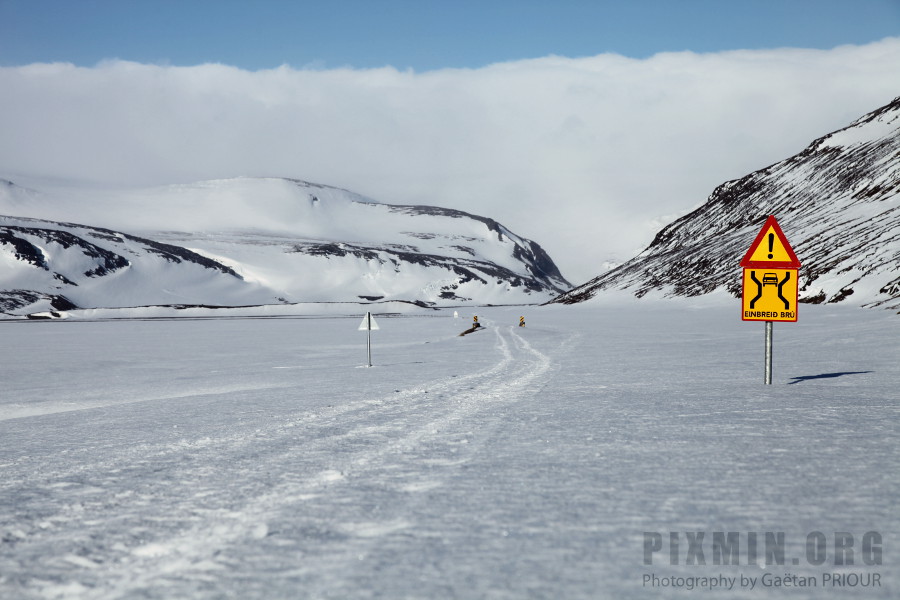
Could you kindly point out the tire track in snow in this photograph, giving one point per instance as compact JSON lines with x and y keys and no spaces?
{"x":386,"y":441}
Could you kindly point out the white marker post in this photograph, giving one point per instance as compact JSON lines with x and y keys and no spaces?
{"x":368,"y":324}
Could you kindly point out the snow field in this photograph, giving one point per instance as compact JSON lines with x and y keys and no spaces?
{"x":259,"y":458}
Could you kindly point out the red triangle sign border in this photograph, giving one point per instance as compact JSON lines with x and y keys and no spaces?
{"x":793,"y":263}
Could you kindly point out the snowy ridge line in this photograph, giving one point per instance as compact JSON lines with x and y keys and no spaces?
{"x":838,"y":201}
{"x":425,"y":423}
{"x":240,"y":242}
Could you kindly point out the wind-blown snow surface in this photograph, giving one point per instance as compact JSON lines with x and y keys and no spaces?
{"x":257,"y":458}
{"x":264,"y":241}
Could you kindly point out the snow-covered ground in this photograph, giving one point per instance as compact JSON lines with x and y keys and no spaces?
{"x":259,"y":458}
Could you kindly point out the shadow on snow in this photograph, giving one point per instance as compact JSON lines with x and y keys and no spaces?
{"x":825,"y":376}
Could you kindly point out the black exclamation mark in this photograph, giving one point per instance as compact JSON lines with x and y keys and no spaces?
{"x":771,"y":242}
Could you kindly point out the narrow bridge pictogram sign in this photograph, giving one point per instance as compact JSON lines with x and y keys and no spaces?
{"x":770,"y":282}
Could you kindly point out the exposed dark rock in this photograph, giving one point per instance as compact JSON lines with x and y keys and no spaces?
{"x":80,"y":260}
{"x":835,"y":201}
{"x":465,"y":269}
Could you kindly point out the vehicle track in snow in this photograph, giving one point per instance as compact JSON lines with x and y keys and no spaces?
{"x":163,"y":516}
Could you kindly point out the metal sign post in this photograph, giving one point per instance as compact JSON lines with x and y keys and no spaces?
{"x":368,"y":324}
{"x":769,"y":327}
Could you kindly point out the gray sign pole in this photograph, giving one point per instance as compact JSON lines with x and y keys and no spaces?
{"x":368,"y":323}
{"x":369,"y":336}
{"x":768,"y":352}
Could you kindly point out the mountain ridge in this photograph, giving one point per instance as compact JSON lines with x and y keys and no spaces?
{"x":838,"y":202}
{"x":258,"y":241}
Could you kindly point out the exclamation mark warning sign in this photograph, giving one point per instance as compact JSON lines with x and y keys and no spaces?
{"x":770,"y":249}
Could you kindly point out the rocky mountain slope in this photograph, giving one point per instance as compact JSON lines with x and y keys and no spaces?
{"x":838,"y":202}
{"x":254,"y":241}
{"x":71,"y":266}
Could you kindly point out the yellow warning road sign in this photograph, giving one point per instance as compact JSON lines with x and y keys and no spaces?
{"x":769,"y":295}
{"x":770,"y":282}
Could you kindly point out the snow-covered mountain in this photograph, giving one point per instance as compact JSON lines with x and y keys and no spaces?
{"x":254,"y":241}
{"x":838,"y":203}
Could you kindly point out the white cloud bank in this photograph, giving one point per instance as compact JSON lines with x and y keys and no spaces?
{"x":587,"y":156}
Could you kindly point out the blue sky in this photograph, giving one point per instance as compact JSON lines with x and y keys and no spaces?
{"x":422,"y":35}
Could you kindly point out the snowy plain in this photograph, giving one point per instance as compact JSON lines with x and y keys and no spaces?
{"x":260,"y":458}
